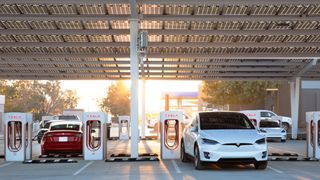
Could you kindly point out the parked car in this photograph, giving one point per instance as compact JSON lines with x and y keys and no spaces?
{"x":273,"y":131}
{"x":44,"y":129}
{"x":63,"y":137}
{"x":258,"y":115}
{"x":221,"y":137}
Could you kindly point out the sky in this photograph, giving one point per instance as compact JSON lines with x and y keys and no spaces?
{"x":91,"y":91}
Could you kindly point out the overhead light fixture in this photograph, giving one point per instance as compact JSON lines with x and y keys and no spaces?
{"x":272,"y":89}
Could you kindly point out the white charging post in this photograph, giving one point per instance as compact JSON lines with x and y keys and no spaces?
{"x":18,"y":136}
{"x":94,"y":135}
{"x":313,"y":131}
{"x":124,"y":127}
{"x":171,"y":132}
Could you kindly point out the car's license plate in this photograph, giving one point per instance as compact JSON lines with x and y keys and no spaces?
{"x":63,"y":139}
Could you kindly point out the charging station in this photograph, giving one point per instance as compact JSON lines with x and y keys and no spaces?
{"x":313,"y":131}
{"x":124,"y":127}
{"x":18,"y":136}
{"x":94,"y":135}
{"x":171,"y":133}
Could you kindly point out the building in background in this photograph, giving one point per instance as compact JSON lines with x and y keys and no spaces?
{"x":186,"y":101}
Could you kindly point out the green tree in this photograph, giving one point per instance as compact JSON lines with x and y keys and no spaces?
{"x":117,"y":101}
{"x":236,"y":92}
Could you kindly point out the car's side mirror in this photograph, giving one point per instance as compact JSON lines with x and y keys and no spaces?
{"x":193,"y":129}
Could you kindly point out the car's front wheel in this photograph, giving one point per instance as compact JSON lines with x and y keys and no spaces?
{"x":261,"y":165}
{"x":197,"y":161}
{"x":285,"y":126}
{"x":183,"y":155}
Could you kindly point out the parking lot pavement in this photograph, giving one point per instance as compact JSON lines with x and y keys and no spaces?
{"x":166,"y":169}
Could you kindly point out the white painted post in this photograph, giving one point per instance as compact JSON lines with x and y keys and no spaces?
{"x":143,"y":106}
{"x":134,"y":73}
{"x":294,"y":96}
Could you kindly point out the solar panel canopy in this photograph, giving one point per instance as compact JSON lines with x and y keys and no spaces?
{"x":188,"y":40}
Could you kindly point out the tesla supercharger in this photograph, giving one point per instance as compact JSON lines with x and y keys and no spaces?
{"x":313,"y":132}
{"x":124,"y":127}
{"x":171,"y":132}
{"x":94,"y":135}
{"x":18,"y":136}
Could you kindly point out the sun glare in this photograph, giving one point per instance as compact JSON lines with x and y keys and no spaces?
{"x":91,"y":91}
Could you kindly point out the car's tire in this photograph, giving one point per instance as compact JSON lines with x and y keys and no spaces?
{"x":44,"y":153}
{"x":285,"y":126}
{"x":197,"y":161}
{"x":283,"y":140}
{"x":39,"y":141}
{"x":183,"y":155}
{"x":261,"y":165}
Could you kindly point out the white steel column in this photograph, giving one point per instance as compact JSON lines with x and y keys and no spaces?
{"x":143,"y":106}
{"x":134,"y":73}
{"x":294,"y":96}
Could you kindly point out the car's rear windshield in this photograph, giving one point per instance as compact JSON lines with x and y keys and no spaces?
{"x":224,"y":121}
{"x":269,"y":124}
{"x":66,"y":117}
{"x":65,"y":127}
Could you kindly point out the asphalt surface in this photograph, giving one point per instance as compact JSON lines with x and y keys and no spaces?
{"x":166,"y":169}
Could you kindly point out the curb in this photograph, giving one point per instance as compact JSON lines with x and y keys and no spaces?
{"x":47,"y":161}
{"x":132,"y":159}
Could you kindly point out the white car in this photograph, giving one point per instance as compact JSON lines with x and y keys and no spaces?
{"x":259,"y":115}
{"x":220,"y":137}
{"x":272,"y":130}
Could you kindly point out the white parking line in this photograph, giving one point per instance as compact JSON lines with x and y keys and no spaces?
{"x":276,"y":170}
{"x":83,"y":168}
{"x":4,"y":165}
{"x":176,"y":167}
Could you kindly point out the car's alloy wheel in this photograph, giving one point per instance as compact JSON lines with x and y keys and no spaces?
{"x":183,"y":155}
{"x":285,"y":126}
{"x":197,"y":162}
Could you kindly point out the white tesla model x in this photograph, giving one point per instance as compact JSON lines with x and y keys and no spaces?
{"x":223,"y":137}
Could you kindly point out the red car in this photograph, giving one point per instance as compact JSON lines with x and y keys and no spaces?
{"x":64,"y":137}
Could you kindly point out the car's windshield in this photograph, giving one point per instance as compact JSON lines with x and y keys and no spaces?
{"x":65,"y":127}
{"x":269,"y":124}
{"x":224,"y":120}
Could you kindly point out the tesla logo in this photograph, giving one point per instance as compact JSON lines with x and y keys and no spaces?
{"x":93,"y":116}
{"x":238,"y":144}
{"x":171,"y":115}
{"x":14,"y":117}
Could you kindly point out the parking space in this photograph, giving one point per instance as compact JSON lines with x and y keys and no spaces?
{"x":166,"y":169}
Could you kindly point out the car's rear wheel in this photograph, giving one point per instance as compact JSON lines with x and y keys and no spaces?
{"x":197,"y":161}
{"x":261,"y":165}
{"x":283,"y":140}
{"x":183,"y":155}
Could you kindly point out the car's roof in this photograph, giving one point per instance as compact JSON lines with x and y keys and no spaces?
{"x":55,"y":120}
{"x":66,"y":122}
{"x":220,"y":112}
